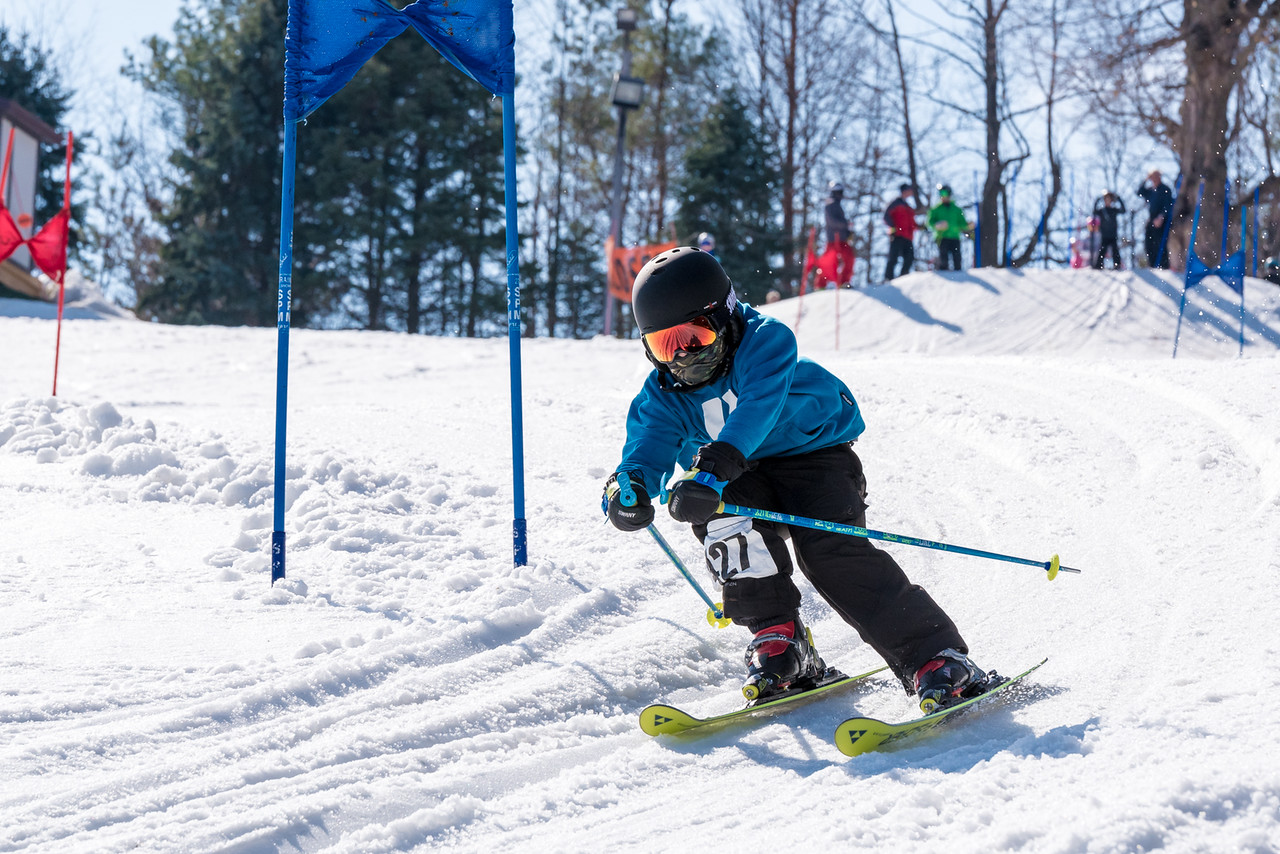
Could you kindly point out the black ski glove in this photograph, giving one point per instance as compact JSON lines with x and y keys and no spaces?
{"x":626,"y":501}
{"x":696,"y":496}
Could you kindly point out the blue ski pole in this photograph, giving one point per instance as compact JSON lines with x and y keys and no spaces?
{"x":1051,"y":566}
{"x":715,"y":613}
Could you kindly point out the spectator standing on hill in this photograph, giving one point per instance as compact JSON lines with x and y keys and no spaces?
{"x":900,"y":217}
{"x":948,"y":223}
{"x":838,"y":233}
{"x":1108,"y":209}
{"x":1159,"y":199}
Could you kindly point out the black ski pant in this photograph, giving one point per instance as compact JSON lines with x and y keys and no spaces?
{"x":863,"y":584}
{"x":1151,"y":242}
{"x":949,"y":253}
{"x":899,"y":248}
{"x":1113,"y":244}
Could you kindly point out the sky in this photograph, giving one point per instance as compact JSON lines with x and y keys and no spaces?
{"x":90,"y":37}
{"x":406,"y":688}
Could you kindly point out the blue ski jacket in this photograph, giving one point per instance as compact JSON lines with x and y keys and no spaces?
{"x":771,"y":403}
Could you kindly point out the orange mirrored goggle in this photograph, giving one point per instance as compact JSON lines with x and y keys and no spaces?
{"x":691,"y":336}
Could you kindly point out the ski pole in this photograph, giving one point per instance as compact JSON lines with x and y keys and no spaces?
{"x":1051,"y":566}
{"x":715,"y":613}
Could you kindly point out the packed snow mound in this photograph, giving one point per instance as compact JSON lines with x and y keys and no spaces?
{"x":150,"y":465}
{"x":1049,"y":312}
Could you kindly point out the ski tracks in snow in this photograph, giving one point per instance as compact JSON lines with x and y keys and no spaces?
{"x":396,"y":667}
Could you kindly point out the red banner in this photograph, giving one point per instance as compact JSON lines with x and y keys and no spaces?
{"x":624,"y":264}
{"x":48,"y":247}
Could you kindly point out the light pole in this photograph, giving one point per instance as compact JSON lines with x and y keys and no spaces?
{"x":626,"y":95}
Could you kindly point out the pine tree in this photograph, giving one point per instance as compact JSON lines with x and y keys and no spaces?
{"x":222,"y":77}
{"x":731,"y":188}
{"x":411,"y":189}
{"x":397,"y":209}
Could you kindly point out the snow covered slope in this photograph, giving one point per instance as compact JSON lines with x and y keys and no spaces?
{"x":407,"y":688}
{"x":1089,"y":313}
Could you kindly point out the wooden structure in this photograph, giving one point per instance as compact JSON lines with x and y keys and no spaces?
{"x":17,"y":273}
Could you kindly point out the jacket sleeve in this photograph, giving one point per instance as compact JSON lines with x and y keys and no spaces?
{"x":765,"y":372}
{"x":656,"y":436}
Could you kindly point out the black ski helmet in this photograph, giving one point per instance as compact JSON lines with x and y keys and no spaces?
{"x":681,"y":285}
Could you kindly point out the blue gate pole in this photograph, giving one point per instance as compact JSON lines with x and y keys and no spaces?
{"x":284,"y":297}
{"x":1244,"y":241}
{"x":519,"y":527}
{"x":1255,"y":230}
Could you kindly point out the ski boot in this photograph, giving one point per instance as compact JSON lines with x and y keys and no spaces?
{"x":946,"y":678}
{"x":781,"y":656}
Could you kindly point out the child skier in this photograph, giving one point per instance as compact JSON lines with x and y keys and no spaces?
{"x":753,"y":424}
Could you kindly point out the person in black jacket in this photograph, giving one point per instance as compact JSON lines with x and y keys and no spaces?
{"x":837,"y":227}
{"x":1108,"y":209}
{"x":1159,"y":200}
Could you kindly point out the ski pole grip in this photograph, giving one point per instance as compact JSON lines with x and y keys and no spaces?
{"x":627,"y":492}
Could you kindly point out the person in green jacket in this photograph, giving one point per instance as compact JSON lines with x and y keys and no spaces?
{"x":948,"y":223}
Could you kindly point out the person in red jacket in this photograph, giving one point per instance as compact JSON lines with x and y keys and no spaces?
{"x":900,"y":217}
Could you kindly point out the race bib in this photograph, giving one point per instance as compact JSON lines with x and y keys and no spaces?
{"x":735,"y":549}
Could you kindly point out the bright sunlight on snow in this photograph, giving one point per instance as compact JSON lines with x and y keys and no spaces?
{"x":407,"y":688}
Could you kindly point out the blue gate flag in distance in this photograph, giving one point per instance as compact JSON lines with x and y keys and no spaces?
{"x":1231,"y":271}
{"x":327,"y":42}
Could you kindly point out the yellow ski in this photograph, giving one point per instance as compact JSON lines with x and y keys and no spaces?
{"x":863,"y":735}
{"x":667,"y":720}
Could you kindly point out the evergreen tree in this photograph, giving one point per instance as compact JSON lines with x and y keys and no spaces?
{"x":29,"y":77}
{"x":412,"y":188}
{"x":223,"y":76}
{"x":397,"y":207}
{"x":731,"y":188}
